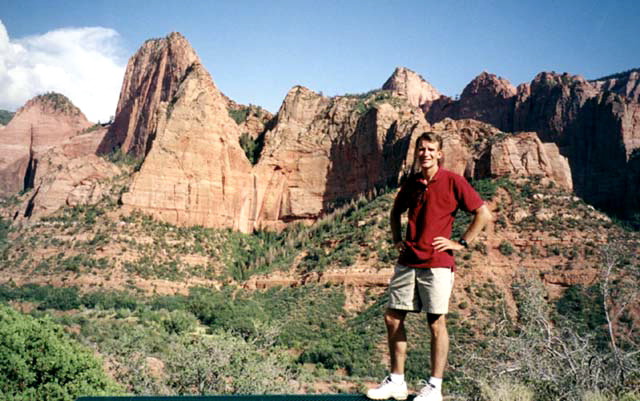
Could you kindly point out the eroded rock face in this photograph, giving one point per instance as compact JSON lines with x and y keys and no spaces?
{"x":411,"y":86}
{"x":595,"y":127}
{"x":326,"y":150}
{"x":43,"y":122}
{"x":486,"y":98}
{"x":195,"y":172}
{"x":479,"y":150}
{"x":550,"y":104}
{"x":594,"y":124}
{"x":626,"y":84}
{"x":152,"y":76}
{"x":65,"y":179}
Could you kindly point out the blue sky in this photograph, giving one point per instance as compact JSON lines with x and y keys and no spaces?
{"x":257,"y":50}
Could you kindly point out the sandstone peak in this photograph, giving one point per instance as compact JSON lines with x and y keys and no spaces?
{"x":195,"y":172}
{"x":52,"y":102}
{"x":409,"y":84}
{"x":299,"y":104}
{"x":152,"y":76}
{"x":43,"y":122}
{"x":489,"y":84}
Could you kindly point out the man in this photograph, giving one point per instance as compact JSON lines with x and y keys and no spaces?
{"x":423,"y":277}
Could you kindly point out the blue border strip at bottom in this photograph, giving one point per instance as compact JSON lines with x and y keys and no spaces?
{"x":266,"y":397}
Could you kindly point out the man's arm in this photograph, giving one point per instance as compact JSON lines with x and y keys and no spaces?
{"x":481,"y":216}
{"x":396,"y":227}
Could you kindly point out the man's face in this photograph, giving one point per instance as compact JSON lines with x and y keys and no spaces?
{"x":428,"y":154}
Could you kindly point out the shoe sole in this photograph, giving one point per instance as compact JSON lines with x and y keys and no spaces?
{"x":401,"y":397}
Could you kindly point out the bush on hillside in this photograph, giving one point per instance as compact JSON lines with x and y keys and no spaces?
{"x":40,"y":362}
{"x":223,"y":363}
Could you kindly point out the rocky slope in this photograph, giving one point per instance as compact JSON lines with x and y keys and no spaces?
{"x":64,"y":180}
{"x":42,"y":123}
{"x":152,"y":76}
{"x":252,"y":120}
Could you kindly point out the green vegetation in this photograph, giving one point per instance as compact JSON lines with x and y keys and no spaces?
{"x":41,"y":362}
{"x":117,"y":156}
{"x":505,"y":248}
{"x":533,"y":353}
{"x":245,"y":331}
{"x":5,"y":228}
{"x":242,"y":113}
{"x":239,"y":115}
{"x":367,"y":101}
{"x":5,"y":117}
{"x":59,"y":102}
{"x":252,"y":147}
{"x":315,"y":332}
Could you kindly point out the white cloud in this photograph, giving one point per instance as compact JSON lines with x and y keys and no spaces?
{"x":84,"y":64}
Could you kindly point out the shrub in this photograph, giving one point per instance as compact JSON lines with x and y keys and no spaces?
{"x":5,"y":227}
{"x":252,"y":147}
{"x":222,"y":363}
{"x":40,"y":362}
{"x":505,"y":248}
{"x":240,"y":115}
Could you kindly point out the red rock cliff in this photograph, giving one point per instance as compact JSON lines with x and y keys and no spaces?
{"x":595,"y":124}
{"x":195,"y":172}
{"x":152,"y":76}
{"x":326,"y":150}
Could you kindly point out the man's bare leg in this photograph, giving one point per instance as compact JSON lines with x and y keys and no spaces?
{"x":439,"y":344}
{"x":397,"y":339}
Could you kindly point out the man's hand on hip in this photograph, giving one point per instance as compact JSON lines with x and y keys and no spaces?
{"x":442,"y":244}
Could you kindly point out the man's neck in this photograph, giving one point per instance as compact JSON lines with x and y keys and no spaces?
{"x":430,"y":172}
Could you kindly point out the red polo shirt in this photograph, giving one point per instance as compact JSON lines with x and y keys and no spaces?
{"x":432,"y":209}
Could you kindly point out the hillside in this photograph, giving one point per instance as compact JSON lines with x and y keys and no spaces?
{"x":124,"y":284}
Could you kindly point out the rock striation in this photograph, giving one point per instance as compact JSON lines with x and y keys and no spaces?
{"x":411,"y":86}
{"x":42,"y":123}
{"x":625,"y":84}
{"x":153,"y":76}
{"x":195,"y":172}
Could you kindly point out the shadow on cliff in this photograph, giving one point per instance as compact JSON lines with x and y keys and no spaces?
{"x":364,"y":162}
{"x":601,"y":173}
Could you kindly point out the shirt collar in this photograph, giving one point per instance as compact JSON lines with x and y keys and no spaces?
{"x":433,"y":179}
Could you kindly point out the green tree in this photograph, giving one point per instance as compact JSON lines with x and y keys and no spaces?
{"x":41,"y":362}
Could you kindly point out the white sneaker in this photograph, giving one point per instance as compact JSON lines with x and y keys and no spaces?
{"x":388,"y":389}
{"x":428,"y":393}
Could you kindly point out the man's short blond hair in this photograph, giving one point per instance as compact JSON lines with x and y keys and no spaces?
{"x":430,"y":136}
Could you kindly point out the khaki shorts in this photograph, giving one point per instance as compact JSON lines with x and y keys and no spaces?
{"x":415,"y":289}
